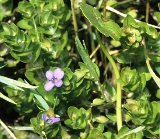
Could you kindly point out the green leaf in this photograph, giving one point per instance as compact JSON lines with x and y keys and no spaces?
{"x":138,"y":129}
{"x":80,"y":74}
{"x":158,"y":93}
{"x":33,"y":77}
{"x":51,"y":30}
{"x":25,"y":8}
{"x":77,"y":118}
{"x":154,"y":76}
{"x":40,"y":99}
{"x":108,"y":28}
{"x":144,"y":70}
{"x":86,"y":59}
{"x":101,"y":119}
{"x":1,"y":14}
{"x":110,"y":90}
{"x":72,"y":112}
{"x":154,"y":57}
{"x":64,"y":133}
{"x":22,"y":128}
{"x":129,"y":76}
{"x":2,"y":66}
{"x":97,"y":101}
{"x":157,"y":14}
{"x":47,"y":19}
{"x":95,"y":133}
{"x":9,"y":29}
{"x":15,"y":84}
{"x":100,"y":127}
{"x":148,"y":30}
{"x":50,"y":98}
{"x":6,"y":98}
{"x":52,"y":130}
{"x":74,"y":137}
{"x":109,"y":135}
{"x":157,"y":67}
{"x":131,"y":55}
{"x":24,"y":23}
{"x":6,"y":8}
{"x":111,"y":116}
{"x":129,"y":20}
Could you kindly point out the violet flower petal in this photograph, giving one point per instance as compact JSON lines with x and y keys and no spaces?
{"x":45,"y":117}
{"x":49,"y":75}
{"x":52,"y":120}
{"x":58,"y":74}
{"x":49,"y":121}
{"x":49,"y":85}
{"x":59,"y":83}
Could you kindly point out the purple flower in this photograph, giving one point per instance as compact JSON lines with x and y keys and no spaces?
{"x":55,"y":79}
{"x":50,"y":120}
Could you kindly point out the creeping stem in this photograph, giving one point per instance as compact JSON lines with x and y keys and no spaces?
{"x":119,"y":92}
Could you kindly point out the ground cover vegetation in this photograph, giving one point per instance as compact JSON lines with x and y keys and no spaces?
{"x":80,"y":69}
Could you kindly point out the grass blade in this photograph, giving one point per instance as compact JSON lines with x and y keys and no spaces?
{"x":40,"y":99}
{"x":6,"y":98}
{"x":156,"y":79}
{"x":15,"y":84}
{"x":140,"y":128}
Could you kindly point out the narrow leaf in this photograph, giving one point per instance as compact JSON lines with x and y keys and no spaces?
{"x":22,"y":128}
{"x":156,"y":79}
{"x":86,"y":59}
{"x":40,"y":99}
{"x":138,"y":129}
{"x":108,"y":27}
{"x":2,"y":66}
{"x":15,"y":84}
{"x":6,"y":98}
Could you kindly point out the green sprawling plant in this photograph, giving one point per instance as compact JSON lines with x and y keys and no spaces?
{"x":75,"y":70}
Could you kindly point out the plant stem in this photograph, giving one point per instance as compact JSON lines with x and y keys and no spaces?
{"x":147,"y":11}
{"x":74,"y":18}
{"x":124,"y":2}
{"x":124,"y":15}
{"x":7,"y":129}
{"x":104,"y":9}
{"x":119,"y":92}
{"x":91,"y":37}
